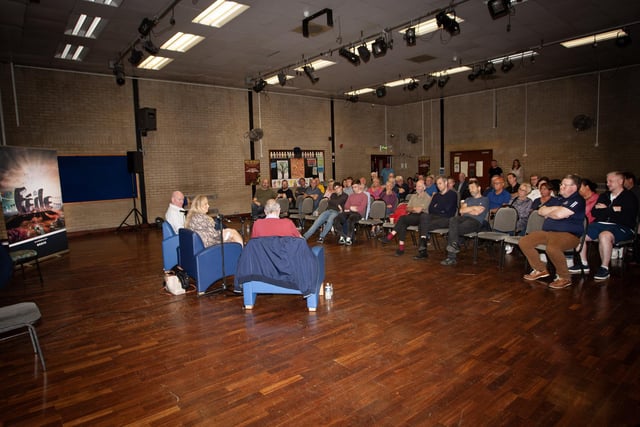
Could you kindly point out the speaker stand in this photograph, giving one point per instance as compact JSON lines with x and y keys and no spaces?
{"x":137,"y":216}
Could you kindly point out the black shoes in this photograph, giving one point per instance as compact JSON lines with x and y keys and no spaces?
{"x":422,"y":254}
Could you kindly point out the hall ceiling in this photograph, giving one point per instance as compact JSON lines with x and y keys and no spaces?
{"x":266,"y":39}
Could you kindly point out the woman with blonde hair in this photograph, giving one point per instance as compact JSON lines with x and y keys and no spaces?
{"x":205,"y":226}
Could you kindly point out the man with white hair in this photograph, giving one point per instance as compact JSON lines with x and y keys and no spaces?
{"x":272,"y":224}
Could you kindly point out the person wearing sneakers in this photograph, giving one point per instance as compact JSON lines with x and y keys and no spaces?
{"x":354,"y":210}
{"x":444,"y":205}
{"x":561,"y":231}
{"x":417,"y":204}
{"x":473,"y":213}
{"x":615,"y":215}
{"x":337,"y":199}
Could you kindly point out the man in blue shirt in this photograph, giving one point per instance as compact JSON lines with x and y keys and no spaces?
{"x":497,"y":196}
{"x":561,"y":231}
{"x":431,"y":188}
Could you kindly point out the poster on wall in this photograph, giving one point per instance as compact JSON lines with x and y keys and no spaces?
{"x":251,"y":172}
{"x":32,"y":199}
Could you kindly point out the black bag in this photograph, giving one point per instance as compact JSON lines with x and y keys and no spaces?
{"x":182,"y":276}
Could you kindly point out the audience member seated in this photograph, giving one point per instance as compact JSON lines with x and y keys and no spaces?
{"x":272,"y":224}
{"x":284,"y":192}
{"x":535,"y":193}
{"x":390,"y":198}
{"x":561,"y":231}
{"x":411,"y":183}
{"x":498,"y":196}
{"x":175,"y":214}
{"x":355,"y":209}
{"x":347,"y":186}
{"x":430,"y":185}
{"x":376,"y":189}
{"x":588,"y":191}
{"x":314,"y":192}
{"x":363,"y":183}
{"x":419,"y":203}
{"x":512,"y":187}
{"x":630,"y":184}
{"x":462,"y":186}
{"x":330,"y":189}
{"x":616,"y":214}
{"x":473,"y":213}
{"x":205,"y":226}
{"x":401,"y":188}
{"x":337,"y":200}
{"x":443,"y":206}
{"x":517,"y":170}
{"x":522,"y":204}
{"x":301,"y":189}
{"x":545,"y":196}
{"x":262,"y":194}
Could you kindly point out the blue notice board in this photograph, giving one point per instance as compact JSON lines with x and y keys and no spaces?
{"x":91,"y":178}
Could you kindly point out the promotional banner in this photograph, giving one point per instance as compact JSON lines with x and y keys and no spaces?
{"x":32,"y":199}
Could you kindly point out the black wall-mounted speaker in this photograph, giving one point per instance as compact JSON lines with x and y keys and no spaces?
{"x":147,"y":119}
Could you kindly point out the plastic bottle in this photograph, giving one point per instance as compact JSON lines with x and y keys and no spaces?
{"x":328,"y":291}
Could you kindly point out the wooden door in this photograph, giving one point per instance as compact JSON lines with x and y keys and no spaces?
{"x":474,"y":163}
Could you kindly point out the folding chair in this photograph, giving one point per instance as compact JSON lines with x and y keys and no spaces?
{"x":376,"y":215}
{"x":504,"y":224}
{"x":534,"y":223}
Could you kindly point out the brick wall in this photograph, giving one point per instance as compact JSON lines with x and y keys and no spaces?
{"x":200,"y":144}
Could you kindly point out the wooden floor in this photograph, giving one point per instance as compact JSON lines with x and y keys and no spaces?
{"x":403,"y":342}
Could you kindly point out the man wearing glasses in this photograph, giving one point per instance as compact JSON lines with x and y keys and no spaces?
{"x":561,"y":231}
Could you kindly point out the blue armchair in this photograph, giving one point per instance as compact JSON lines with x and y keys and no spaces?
{"x":204,"y":265}
{"x":169,"y":246}
{"x":280,"y":265}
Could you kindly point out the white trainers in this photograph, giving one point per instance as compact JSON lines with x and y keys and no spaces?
{"x":543,"y":257}
{"x":508,"y":249}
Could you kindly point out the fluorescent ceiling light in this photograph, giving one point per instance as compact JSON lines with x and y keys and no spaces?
{"x":155,"y":63}
{"x":514,"y":57}
{"x":451,"y":71}
{"x":273,"y":80}
{"x":400,"y":82}
{"x":360,"y":91}
{"x":85,"y":26}
{"x":220,"y":13}
{"x":429,"y":26}
{"x":181,"y":42}
{"x":318,"y":64}
{"x":595,"y":38}
{"x":112,"y":3}
{"x":72,"y":52}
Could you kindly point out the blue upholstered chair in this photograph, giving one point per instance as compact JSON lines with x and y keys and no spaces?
{"x":204,"y":265}
{"x":169,"y":246}
{"x":252,"y":264}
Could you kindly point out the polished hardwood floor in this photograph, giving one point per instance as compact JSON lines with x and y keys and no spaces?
{"x":403,"y":342}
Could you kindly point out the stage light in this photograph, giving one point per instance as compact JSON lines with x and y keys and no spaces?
{"x":412,"y":85}
{"x":623,"y":39}
{"x":477,"y":70}
{"x":259,"y":86}
{"x":448,"y":24}
{"x":429,"y":83}
{"x":282,"y":78}
{"x":150,"y":47}
{"x":507,"y":65}
{"x":145,"y":27}
{"x":353,"y":98}
{"x":379,"y":47}
{"x":443,"y":80}
{"x":488,"y":68}
{"x":309,"y":71}
{"x":118,"y":71}
{"x":499,"y":8}
{"x":351,"y":57}
{"x":381,"y":91}
{"x":136,"y":57}
{"x":410,"y":36}
{"x":364,"y":53}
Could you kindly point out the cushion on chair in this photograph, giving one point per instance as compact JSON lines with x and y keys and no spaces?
{"x":18,"y":315}
{"x":23,"y":255}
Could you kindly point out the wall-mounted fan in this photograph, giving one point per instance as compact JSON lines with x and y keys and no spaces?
{"x":255,"y":134}
{"x":413,"y":138}
{"x":582,"y":122}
